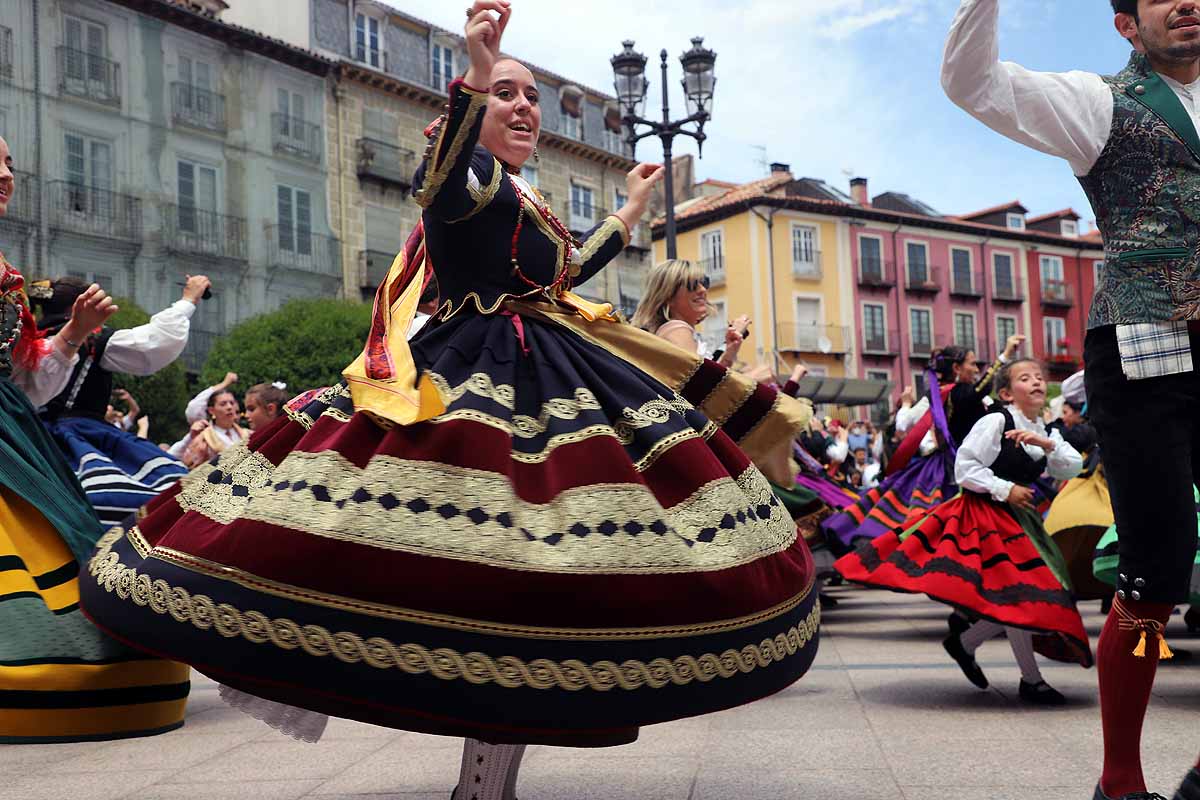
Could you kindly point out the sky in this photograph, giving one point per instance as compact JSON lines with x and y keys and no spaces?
{"x":834,"y":88}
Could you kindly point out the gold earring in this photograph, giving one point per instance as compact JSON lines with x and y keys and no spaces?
{"x":535,"y":154}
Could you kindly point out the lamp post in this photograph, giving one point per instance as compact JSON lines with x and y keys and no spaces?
{"x":629,"y":79}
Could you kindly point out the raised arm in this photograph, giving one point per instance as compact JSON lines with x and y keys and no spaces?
{"x":604,"y":242}
{"x":146,"y":349}
{"x":1064,"y":114}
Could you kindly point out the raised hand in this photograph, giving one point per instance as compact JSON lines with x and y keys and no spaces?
{"x":640,"y":182}
{"x":1013,"y":345}
{"x":1029,"y":437}
{"x":486,"y":21}
{"x":195,"y":288}
{"x":1021,"y":496}
{"x":91,"y":310}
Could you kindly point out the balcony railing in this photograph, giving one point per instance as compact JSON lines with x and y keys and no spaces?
{"x":194,"y":230}
{"x":23,"y":206}
{"x":966,"y":284}
{"x":880,"y":343}
{"x":922,"y":347}
{"x":6,"y":54}
{"x":808,"y":268}
{"x":376,"y":264}
{"x":1008,"y":290}
{"x":584,"y":218}
{"x":385,"y":163}
{"x":90,"y":76}
{"x":197,"y":107}
{"x":304,"y":251}
{"x":1058,"y":293}
{"x":95,"y":212}
{"x":195,"y":352}
{"x":923,"y":279}
{"x":876,"y":274}
{"x":801,"y":337}
{"x":1061,"y":359}
{"x":295,"y":137}
{"x":714,"y":268}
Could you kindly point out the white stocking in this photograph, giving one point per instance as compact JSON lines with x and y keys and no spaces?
{"x":485,"y":769}
{"x":1021,"y":642}
{"x":979,"y":633}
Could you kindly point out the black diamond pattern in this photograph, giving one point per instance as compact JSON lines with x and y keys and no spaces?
{"x":478,"y":515}
{"x":418,"y":505}
{"x":389,"y":501}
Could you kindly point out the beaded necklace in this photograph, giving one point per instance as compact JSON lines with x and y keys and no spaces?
{"x":562,"y":281}
{"x":7,"y":345}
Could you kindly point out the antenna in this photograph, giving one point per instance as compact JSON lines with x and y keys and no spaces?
{"x":761,"y":161}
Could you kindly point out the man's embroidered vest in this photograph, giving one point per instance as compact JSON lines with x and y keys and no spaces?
{"x":1145,"y":190}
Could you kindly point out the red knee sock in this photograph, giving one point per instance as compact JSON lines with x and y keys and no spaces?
{"x":1125,"y":683}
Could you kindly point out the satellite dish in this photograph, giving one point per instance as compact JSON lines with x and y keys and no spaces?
{"x":824,"y":345}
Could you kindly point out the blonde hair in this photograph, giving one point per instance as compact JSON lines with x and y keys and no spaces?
{"x":662,"y":282}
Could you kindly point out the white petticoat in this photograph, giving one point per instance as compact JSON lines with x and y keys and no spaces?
{"x":299,"y":723}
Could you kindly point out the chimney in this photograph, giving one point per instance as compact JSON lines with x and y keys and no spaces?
{"x":858,"y":190}
{"x":778,"y":168}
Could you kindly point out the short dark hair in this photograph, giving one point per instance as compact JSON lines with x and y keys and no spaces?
{"x":1125,"y":7}
{"x":1004,"y":374}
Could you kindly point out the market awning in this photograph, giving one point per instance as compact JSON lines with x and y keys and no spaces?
{"x":844,"y":391}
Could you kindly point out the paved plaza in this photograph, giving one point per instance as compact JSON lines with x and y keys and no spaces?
{"x":883,"y":714}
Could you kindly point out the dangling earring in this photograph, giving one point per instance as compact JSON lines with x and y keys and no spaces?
{"x":536,"y":159}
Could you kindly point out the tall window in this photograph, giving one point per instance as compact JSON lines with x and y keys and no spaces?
{"x":712,"y":249}
{"x":921,"y":327}
{"x":1053,"y":285}
{"x":290,"y":106}
{"x":808,"y":323}
{"x":917,"y":258}
{"x":870,"y":257}
{"x":1055,"y":330}
{"x":964,"y":330}
{"x":961,"y":264}
{"x":874,"y":332}
{"x":89,"y":174}
{"x":883,"y":409}
{"x":1003,"y":267}
{"x":572,"y":126}
{"x":583,"y":211}
{"x":530,"y":174}
{"x":198,"y":76}
{"x":804,"y":249}
{"x":366,"y":40}
{"x":87,"y":45}
{"x":443,"y":67}
{"x":197,"y":197}
{"x":1097,"y":273}
{"x":1006,"y":328}
{"x":294,"y":212}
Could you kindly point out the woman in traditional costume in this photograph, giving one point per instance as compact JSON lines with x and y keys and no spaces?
{"x":218,"y":431}
{"x":985,"y":552}
{"x":119,"y":471}
{"x":61,"y":679}
{"x":920,"y":474}
{"x":531,"y":524}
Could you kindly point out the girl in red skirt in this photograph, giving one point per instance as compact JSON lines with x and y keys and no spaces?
{"x":986,"y":552}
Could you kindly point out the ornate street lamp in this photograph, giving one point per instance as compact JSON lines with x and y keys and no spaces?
{"x":630,"y":82}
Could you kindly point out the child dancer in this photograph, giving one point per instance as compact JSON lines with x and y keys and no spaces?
{"x":985,"y":551}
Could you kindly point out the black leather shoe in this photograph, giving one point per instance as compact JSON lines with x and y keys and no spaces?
{"x":1099,"y":795}
{"x":966,"y":662}
{"x":827,"y":602}
{"x":1041,"y":694}
{"x":958,"y":624}
{"x":1190,"y":788}
{"x":1192,"y":620}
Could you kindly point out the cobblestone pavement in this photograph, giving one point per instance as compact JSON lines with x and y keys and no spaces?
{"x":883,"y":714}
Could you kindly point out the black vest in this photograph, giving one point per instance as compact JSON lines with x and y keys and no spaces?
{"x":89,"y":391}
{"x":1013,"y":463}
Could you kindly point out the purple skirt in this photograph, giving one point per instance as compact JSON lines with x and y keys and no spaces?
{"x":826,"y":490}
{"x":925,"y":482}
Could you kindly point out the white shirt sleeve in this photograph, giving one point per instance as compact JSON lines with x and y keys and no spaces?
{"x":177,"y":449}
{"x":908,"y":416}
{"x":1064,"y":114}
{"x":1064,"y":461}
{"x":973,"y":464}
{"x":146,"y":349}
{"x":197,"y":407}
{"x":48,"y":380}
{"x":837,"y":452}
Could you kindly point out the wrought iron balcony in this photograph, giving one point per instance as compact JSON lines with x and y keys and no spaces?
{"x":1008,"y":289}
{"x":967,"y":284}
{"x":923,"y":279}
{"x":193,"y":230}
{"x":94,"y":212}
{"x":807,"y":268}
{"x":922,"y":347}
{"x":198,"y":108}
{"x":880,"y":343}
{"x":90,"y":76}
{"x":1058,"y":293}
{"x":295,"y":137}
{"x":375,"y":266}
{"x":385,"y":163}
{"x":199,"y":345}
{"x":802,"y":337}
{"x":6,"y":54}
{"x":714,"y":268}
{"x":23,"y":206}
{"x":875,"y":274}
{"x":304,"y":251}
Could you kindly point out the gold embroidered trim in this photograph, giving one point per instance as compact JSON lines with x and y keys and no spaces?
{"x":477,"y":668}
{"x":474,"y":515}
{"x":241,"y":466}
{"x":262,"y":585}
{"x":447,"y":309}
{"x":439,"y":169}
{"x":480,"y":383}
{"x":597,"y":240}
{"x":483,"y":195}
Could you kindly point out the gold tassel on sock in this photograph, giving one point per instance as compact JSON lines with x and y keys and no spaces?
{"x":1128,"y":622}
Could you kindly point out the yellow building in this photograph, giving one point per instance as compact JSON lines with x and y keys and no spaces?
{"x":771,"y":257}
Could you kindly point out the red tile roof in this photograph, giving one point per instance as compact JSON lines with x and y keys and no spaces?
{"x":737,"y":194}
{"x":1064,"y":213}
{"x":992,"y":210}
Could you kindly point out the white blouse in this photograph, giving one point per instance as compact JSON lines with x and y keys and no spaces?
{"x":48,"y":380}
{"x":981,"y":448}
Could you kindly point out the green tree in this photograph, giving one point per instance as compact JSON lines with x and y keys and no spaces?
{"x":163,"y":395}
{"x":306,"y":344}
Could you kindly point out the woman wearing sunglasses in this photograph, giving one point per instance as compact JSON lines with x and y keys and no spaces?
{"x":676,"y":302}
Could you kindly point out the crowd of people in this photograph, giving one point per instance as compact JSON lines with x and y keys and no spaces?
{"x":382,"y":551}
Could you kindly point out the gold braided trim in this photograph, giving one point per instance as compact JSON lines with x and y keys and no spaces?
{"x":480,"y":383}
{"x":483,"y":195}
{"x":612,"y":224}
{"x":439,"y":168}
{"x":448,"y":310}
{"x":594,"y":529}
{"x":476,"y":668}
